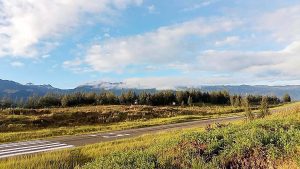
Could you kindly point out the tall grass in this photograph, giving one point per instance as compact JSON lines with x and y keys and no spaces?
{"x":262,"y":143}
{"x":16,"y":125}
{"x":24,"y":119}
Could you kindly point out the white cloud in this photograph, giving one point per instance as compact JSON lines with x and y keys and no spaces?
{"x":151,"y":9}
{"x":24,"y":24}
{"x":228,"y":41}
{"x":159,"y":82}
{"x":45,"y":56}
{"x":199,"y":5}
{"x":281,"y":64}
{"x":180,"y":47}
{"x":283,"y":23}
{"x":106,"y":35}
{"x":167,"y":82}
{"x":232,"y":68}
{"x":165,"y":46}
{"x":17,"y":64}
{"x":76,"y":66}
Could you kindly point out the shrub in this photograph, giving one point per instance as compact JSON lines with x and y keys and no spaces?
{"x":286,"y":98}
{"x":248,"y":112}
{"x":124,"y":160}
{"x":264,"y":107}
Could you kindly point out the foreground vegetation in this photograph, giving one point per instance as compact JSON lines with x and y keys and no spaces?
{"x":264,"y":143}
{"x":271,"y":142}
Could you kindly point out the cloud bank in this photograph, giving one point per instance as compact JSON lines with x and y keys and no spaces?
{"x":166,"y":46}
{"x":26,"y":25}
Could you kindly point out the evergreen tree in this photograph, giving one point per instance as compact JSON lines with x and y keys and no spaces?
{"x":33,"y":102}
{"x":232,"y":100}
{"x":143,"y":98}
{"x":122,"y":98}
{"x":286,"y":98}
{"x":190,"y":101}
{"x":5,"y":103}
{"x":182,"y":103}
{"x":50,"y":100}
{"x":237,"y":101}
{"x":180,"y":96}
{"x":111,"y":98}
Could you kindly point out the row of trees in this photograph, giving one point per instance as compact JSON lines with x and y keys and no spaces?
{"x":166,"y":97}
{"x":264,"y":105}
{"x":238,"y":100}
{"x":263,"y":109}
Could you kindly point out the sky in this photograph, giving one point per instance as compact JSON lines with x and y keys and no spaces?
{"x":150,"y":43}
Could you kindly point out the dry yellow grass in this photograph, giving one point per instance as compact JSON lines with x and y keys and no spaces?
{"x":42,"y":123}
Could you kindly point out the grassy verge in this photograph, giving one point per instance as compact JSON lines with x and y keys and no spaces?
{"x":79,"y":156}
{"x":271,"y":142}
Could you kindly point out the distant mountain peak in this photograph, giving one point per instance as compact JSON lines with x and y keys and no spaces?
{"x":29,"y":84}
{"x":46,"y":86}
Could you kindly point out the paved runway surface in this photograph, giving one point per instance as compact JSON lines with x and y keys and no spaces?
{"x":29,"y":147}
{"x":37,"y":146}
{"x":115,"y":135}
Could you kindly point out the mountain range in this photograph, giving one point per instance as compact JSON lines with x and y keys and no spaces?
{"x":16,"y":90}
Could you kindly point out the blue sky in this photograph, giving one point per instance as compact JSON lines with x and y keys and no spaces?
{"x":150,"y":43}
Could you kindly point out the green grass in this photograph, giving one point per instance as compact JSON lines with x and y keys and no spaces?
{"x":255,"y":144}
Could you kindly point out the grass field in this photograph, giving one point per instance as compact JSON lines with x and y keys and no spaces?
{"x":263,"y":143}
{"x":16,"y":125}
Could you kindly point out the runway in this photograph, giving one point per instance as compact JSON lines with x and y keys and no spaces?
{"x":37,"y":146}
{"x":29,"y":147}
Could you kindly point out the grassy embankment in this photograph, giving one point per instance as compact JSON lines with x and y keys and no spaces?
{"x":16,"y":125}
{"x":263,"y":143}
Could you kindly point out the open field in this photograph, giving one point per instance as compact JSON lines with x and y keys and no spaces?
{"x":272,"y":141}
{"x":26,"y":124}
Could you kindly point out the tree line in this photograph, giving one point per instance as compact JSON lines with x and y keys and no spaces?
{"x":237,"y":100}
{"x":160,"y":98}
